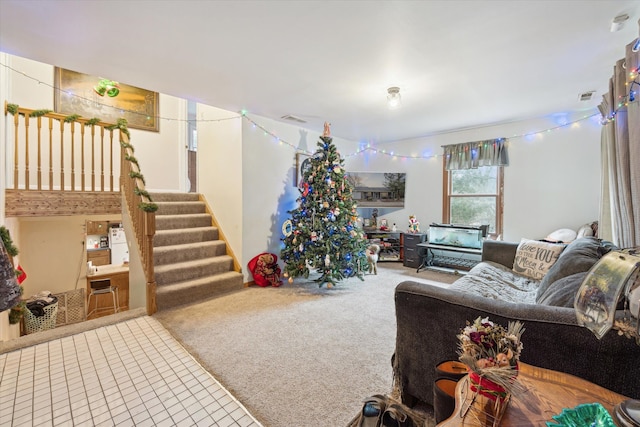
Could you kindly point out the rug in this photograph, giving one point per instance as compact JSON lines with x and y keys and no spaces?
{"x":300,"y":355}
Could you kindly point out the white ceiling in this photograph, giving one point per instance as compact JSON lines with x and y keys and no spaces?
{"x":458,"y":64}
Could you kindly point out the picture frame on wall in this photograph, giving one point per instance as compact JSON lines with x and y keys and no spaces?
{"x":77,"y":93}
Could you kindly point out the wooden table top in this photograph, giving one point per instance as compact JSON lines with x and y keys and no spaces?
{"x":546,"y":394}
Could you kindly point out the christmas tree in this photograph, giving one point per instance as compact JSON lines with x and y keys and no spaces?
{"x":322,"y":232}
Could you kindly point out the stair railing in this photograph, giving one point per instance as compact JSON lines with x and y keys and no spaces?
{"x":142,"y":213}
{"x":71,"y":155}
{"x":58,"y":152}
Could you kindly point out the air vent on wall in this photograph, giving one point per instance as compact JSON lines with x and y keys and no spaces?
{"x":586,"y":96}
{"x":293,"y":118}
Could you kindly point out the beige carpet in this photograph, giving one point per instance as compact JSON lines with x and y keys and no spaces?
{"x":300,"y":355}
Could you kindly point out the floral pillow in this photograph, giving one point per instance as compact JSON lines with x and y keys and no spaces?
{"x":534,"y":258}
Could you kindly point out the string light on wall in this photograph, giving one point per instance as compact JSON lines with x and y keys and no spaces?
{"x":362,"y":149}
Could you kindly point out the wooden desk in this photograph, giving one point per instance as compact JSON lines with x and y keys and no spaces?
{"x":119,"y":276}
{"x":547,"y":394}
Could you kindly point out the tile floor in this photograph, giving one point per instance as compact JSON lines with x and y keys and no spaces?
{"x":132,"y":373}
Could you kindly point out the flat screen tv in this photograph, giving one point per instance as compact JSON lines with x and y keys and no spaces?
{"x":378,"y":189}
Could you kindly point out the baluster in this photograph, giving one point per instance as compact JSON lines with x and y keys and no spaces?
{"x":111,"y":160}
{"x":26,"y":152}
{"x":82,"y":168}
{"x":82,"y":179}
{"x":93,"y":162}
{"x":73,"y":156}
{"x":50,"y":153}
{"x":16,"y":124}
{"x":101,"y":162}
{"x":62,"y":155}
{"x":39,"y":170}
{"x":101,"y":151}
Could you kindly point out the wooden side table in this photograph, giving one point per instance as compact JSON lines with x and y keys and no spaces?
{"x":547,"y":394}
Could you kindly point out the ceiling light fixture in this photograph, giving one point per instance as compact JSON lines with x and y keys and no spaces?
{"x":618,"y":22}
{"x":393,"y":97}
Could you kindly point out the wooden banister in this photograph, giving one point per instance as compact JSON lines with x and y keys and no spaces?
{"x":68,"y":179}
{"x":144,"y":222}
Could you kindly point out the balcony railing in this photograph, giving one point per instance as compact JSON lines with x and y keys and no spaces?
{"x":69,"y":165}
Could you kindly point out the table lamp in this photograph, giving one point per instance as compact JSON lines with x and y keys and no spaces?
{"x":614,"y":275}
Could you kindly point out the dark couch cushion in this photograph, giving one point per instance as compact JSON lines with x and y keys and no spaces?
{"x":562,"y":292}
{"x":579,"y":256}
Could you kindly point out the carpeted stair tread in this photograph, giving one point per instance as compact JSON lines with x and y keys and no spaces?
{"x":184,"y":235}
{"x":189,"y":251}
{"x":190,"y":262}
{"x":178,"y":208}
{"x":174,"y":197}
{"x":172,"y":222}
{"x":198,"y":290}
{"x":188,"y":270}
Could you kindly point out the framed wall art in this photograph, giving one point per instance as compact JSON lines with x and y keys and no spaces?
{"x":374,"y":189}
{"x":89,"y":97}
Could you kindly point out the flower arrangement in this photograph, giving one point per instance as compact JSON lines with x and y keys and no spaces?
{"x":491,"y":353}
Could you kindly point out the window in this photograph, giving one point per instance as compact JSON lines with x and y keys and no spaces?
{"x":474,"y":197}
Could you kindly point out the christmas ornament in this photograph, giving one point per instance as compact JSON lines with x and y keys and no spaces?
{"x":287,"y":228}
{"x":111,"y":88}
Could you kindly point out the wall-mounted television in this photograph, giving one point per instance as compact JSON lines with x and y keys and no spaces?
{"x":378,"y":189}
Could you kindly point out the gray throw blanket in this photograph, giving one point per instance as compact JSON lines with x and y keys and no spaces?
{"x":492,"y":280}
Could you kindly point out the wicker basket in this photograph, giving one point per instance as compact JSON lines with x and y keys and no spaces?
{"x":71,"y":307}
{"x":41,"y":323}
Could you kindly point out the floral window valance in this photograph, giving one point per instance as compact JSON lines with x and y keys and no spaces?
{"x":471,"y":155}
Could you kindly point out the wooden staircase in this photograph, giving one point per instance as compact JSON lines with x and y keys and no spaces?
{"x":190,"y":261}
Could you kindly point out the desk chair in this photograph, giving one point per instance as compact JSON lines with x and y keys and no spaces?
{"x":101,"y":287}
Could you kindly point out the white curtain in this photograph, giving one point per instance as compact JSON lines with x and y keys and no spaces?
{"x":620,"y":140}
{"x":471,"y":155}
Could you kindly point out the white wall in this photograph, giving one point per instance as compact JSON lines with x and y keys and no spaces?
{"x":552,"y":181}
{"x":268,"y":190}
{"x":220,"y":177}
{"x":49,"y":247}
{"x":247,"y":175}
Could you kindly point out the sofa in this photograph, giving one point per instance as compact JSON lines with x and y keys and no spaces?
{"x":429,"y":318}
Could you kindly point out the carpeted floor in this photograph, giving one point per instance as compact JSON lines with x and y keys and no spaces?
{"x":300,"y":355}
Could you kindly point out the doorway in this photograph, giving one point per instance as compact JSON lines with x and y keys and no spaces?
{"x":192,"y":147}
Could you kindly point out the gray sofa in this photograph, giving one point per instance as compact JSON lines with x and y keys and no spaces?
{"x":429,"y":318}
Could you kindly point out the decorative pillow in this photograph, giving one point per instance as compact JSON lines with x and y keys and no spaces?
{"x":562,"y":293}
{"x":565,"y":235}
{"x":534,"y":258}
{"x":579,"y":255}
